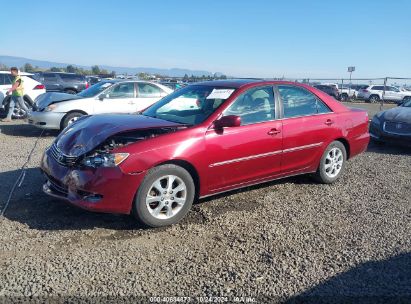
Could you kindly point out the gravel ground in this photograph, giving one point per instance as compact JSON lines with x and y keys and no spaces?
{"x":288,"y":240}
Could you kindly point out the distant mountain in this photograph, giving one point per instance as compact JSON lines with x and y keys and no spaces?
{"x":174,"y":72}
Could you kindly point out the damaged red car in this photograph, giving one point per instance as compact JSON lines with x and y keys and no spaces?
{"x":201,"y":140}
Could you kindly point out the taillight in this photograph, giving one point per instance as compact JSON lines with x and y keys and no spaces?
{"x":39,"y":87}
{"x":87,"y":85}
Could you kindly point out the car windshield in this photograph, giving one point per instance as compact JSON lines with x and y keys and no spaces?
{"x":407,"y":104}
{"x":190,"y":105}
{"x":94,"y":90}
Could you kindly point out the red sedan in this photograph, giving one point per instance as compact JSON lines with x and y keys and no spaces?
{"x":201,"y":140}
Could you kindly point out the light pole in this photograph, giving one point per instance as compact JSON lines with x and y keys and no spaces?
{"x":350,"y":70}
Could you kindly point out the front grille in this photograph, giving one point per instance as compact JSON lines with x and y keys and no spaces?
{"x":57,"y":186}
{"x":61,"y":158}
{"x":400,"y":128}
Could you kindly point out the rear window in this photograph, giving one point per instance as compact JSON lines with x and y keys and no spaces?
{"x":378,"y":88}
{"x":72,"y":77}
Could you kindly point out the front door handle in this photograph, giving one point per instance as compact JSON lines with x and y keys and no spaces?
{"x":329,"y":122}
{"x":273,"y":132}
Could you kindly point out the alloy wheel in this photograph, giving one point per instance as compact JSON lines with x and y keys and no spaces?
{"x":166,"y":197}
{"x":333,"y":162}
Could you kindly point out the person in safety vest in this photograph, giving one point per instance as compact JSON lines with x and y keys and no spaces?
{"x":17,"y":93}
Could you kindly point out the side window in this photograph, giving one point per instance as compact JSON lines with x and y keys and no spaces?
{"x":122,"y":90}
{"x":147,"y":90}
{"x":72,"y":77}
{"x":50,"y":77}
{"x":300,"y":102}
{"x":2,"y":79}
{"x":254,"y":106}
{"x":7,"y":79}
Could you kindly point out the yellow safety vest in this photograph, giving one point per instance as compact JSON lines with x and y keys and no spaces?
{"x":20,"y":89}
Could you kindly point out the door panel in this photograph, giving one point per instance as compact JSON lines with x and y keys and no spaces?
{"x":308,"y":125}
{"x":305,"y":138}
{"x":119,"y":99}
{"x":147,"y":94}
{"x":250,"y":152}
{"x":240,"y":154}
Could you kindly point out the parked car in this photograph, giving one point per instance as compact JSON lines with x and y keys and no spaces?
{"x":358,"y":87}
{"x":374,"y":93}
{"x":92,"y":80}
{"x":344,"y":93}
{"x":32,"y":89}
{"x":173,"y":85}
{"x":245,"y":132}
{"x":347,"y":93}
{"x":62,"y":82}
{"x":330,"y":90}
{"x":393,"y":125}
{"x":58,"y":110}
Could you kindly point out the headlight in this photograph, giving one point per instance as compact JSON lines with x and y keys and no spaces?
{"x":105,"y":160}
{"x":375,"y":120}
{"x":50,"y":108}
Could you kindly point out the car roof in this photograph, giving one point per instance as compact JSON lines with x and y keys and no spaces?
{"x":239,"y":83}
{"x":20,"y":73}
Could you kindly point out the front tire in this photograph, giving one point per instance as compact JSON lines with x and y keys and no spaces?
{"x":332,"y":163}
{"x":69,"y":119}
{"x":164,"y":197}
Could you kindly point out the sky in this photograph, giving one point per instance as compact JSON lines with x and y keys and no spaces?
{"x":257,"y":38}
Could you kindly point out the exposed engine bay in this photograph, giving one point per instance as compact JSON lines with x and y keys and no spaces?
{"x":129,"y":137}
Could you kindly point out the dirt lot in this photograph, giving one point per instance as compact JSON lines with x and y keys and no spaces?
{"x":272,"y":242}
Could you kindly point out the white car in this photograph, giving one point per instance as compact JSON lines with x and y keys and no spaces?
{"x":32,"y":89}
{"x":374,"y":93}
{"x":345,"y":92}
{"x":58,"y":110}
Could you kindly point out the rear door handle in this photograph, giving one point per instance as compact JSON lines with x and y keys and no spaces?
{"x":329,"y":122}
{"x":273,"y":131}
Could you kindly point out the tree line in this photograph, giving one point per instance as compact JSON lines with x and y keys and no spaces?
{"x":96,"y":70}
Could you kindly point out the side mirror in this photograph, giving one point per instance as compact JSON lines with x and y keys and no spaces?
{"x":101,"y":97}
{"x":227,"y":121}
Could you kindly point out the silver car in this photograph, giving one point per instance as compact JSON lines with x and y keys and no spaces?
{"x":58,"y":110}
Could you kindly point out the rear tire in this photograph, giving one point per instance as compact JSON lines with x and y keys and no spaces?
{"x":70,"y":91}
{"x":164,"y":197}
{"x":332,"y":163}
{"x":344,"y":97}
{"x":69,"y":119}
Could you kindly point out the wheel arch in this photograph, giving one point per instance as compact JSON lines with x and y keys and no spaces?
{"x":346,"y":145}
{"x":68,"y":113}
{"x":190,"y":168}
{"x":70,"y":89}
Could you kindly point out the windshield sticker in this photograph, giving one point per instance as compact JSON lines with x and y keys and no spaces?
{"x":220,"y":94}
{"x":106,"y":85}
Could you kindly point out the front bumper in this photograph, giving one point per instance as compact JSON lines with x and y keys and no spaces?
{"x":46,"y":120}
{"x":107,"y":190}
{"x":377,"y":133}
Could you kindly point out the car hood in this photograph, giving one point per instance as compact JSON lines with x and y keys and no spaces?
{"x":398,"y":114}
{"x":48,"y":98}
{"x":90,"y":131}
